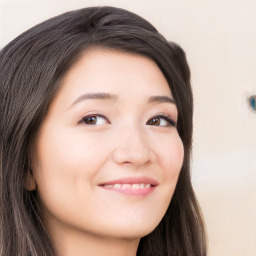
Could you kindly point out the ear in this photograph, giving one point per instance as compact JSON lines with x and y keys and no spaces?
{"x":29,"y":181}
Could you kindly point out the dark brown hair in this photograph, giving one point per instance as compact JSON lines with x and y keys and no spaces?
{"x":31,"y":69}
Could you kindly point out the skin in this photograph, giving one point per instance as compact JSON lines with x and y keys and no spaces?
{"x":74,"y":155}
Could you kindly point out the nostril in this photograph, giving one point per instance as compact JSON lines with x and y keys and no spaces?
{"x":127,"y":162}
{"x":132,"y":156}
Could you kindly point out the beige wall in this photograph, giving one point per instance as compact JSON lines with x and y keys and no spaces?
{"x":220,"y":40}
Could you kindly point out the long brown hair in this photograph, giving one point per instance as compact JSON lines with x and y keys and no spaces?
{"x":31,"y":69}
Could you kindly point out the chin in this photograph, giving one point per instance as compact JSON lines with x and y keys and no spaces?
{"x":131,"y":230}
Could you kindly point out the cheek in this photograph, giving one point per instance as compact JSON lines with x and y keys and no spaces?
{"x":65,"y":151}
{"x":67,"y":161}
{"x":63,"y":167}
{"x":172,"y":155}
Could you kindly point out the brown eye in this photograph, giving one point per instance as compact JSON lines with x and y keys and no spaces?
{"x":161,"y":120}
{"x":94,"y":120}
{"x":154,"y":121}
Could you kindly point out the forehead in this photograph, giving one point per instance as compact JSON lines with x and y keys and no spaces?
{"x":113,"y":71}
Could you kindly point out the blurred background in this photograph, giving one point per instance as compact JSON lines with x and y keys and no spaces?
{"x":219,"y":38}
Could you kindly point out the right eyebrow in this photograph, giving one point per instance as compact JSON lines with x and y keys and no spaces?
{"x":93,"y":96}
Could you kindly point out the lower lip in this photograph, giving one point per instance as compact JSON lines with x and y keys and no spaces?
{"x":130,"y":191}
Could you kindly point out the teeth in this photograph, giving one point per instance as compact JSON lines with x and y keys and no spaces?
{"x":135,"y":186}
{"x":117,"y":186}
{"x":128,"y":186}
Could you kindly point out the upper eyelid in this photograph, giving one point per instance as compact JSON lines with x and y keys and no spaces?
{"x":93,"y":114}
{"x":164,"y":114}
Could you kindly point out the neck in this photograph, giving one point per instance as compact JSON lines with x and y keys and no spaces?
{"x":82,"y":245}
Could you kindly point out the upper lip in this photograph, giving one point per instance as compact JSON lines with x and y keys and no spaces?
{"x":132,"y":180}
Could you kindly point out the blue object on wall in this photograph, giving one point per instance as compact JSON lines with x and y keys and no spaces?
{"x":252,"y":102}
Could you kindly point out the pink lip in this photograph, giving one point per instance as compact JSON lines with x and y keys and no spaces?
{"x":130,"y":189}
{"x":132,"y":180}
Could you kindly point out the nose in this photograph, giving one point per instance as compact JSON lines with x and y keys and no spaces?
{"x":133,"y":148}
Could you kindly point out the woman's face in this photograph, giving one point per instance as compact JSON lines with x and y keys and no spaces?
{"x":107,"y":156}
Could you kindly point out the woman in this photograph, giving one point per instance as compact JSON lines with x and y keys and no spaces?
{"x":96,"y":133}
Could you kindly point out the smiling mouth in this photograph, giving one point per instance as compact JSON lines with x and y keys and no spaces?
{"x":131,"y":189}
{"x":131,"y":186}
{"x":128,"y":186}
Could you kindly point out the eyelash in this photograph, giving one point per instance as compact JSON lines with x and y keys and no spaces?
{"x":166,"y":118}
{"x":82,"y":121}
{"x":161,"y":116}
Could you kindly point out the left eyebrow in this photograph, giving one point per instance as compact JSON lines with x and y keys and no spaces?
{"x":161,"y":99}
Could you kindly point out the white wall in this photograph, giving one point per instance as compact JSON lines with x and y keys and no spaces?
{"x":219,"y":38}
